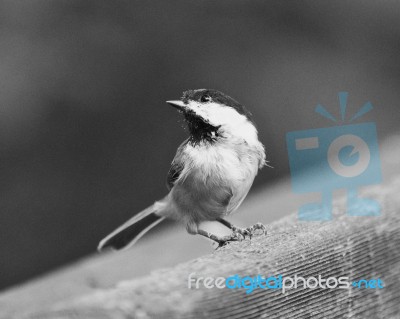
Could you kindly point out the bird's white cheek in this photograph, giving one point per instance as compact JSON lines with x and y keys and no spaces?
{"x":235,"y":124}
{"x":199,"y":109}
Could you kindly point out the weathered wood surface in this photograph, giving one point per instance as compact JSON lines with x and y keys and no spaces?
{"x":357,"y":247}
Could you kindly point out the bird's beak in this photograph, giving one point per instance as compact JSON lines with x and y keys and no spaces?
{"x":178,"y":104}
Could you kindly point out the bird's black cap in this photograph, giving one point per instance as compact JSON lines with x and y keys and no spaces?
{"x":209,"y":95}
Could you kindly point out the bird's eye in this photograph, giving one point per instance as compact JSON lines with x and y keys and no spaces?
{"x":205,"y":98}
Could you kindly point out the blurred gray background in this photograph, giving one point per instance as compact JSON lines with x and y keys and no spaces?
{"x":86,"y":137}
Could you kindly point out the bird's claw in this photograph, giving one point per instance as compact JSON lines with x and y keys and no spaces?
{"x":238,"y":234}
{"x":256,"y":229}
{"x":241,"y":232}
{"x":222,"y":241}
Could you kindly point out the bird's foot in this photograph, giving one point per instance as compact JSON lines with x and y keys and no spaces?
{"x":241,"y":232}
{"x":256,"y":229}
{"x":220,"y":240}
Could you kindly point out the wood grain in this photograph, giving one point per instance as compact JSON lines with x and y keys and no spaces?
{"x":356,"y":247}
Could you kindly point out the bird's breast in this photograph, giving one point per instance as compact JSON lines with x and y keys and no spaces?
{"x":227,"y":163}
{"x":214,"y":181}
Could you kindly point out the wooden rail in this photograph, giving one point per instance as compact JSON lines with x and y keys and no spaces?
{"x":355,"y":247}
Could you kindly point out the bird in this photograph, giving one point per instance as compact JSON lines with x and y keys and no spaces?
{"x":210,"y":175}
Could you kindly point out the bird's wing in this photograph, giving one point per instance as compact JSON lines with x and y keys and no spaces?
{"x":176,"y":166}
{"x":173,"y":174}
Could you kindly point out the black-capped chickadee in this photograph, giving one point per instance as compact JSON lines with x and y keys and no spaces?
{"x":211,"y":174}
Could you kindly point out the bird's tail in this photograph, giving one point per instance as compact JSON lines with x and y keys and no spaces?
{"x":128,"y":233}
